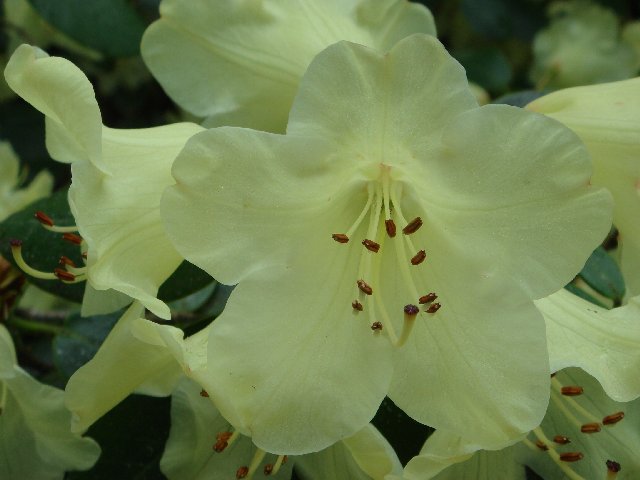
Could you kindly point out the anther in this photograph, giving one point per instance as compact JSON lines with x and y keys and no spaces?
{"x":613,"y":418}
{"x":390,"y":226}
{"x":222,"y":435}
{"x":561,"y":439}
{"x":613,"y":467}
{"x":64,"y":275}
{"x":64,"y":260}
{"x":376,"y":326}
{"x":541,"y":445}
{"x":571,"y":391}
{"x":340,"y":237}
{"x":220,"y":445}
{"x":203,"y":393}
{"x":590,"y":428}
{"x":43,"y":218}
{"x":412,"y":226}
{"x":571,"y":456}
{"x":411,"y":310}
{"x":242,"y":472}
{"x":364,"y":287}
{"x":357,"y":305}
{"x":433,"y":308}
{"x":284,"y":459}
{"x":72,"y":238}
{"x":428,"y":298}
{"x":268,"y":469}
{"x":371,"y":245}
{"x":418,"y":258}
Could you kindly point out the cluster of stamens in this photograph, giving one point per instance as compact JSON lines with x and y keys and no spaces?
{"x":562,"y":397}
{"x":383,"y":200}
{"x":67,"y":271}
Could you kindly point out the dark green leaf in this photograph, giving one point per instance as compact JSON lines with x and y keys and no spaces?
{"x":80,"y":340}
{"x":499,"y":19}
{"x":582,"y":294}
{"x":187,"y":279}
{"x":602,"y":273}
{"x":519,"y":99}
{"x":112,"y":27}
{"x":132,"y":437}
{"x":487,"y":67}
{"x":42,"y":249}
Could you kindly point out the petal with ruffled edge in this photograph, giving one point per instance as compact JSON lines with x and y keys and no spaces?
{"x":189,"y":455}
{"x":607,"y":119}
{"x":604,"y":343}
{"x":239,"y":63}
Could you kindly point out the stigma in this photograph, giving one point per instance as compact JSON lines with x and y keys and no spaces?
{"x":384,"y":231}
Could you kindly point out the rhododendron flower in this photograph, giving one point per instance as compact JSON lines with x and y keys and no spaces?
{"x":118,"y":177}
{"x":240,"y":62}
{"x":34,"y":425}
{"x":392,"y":242}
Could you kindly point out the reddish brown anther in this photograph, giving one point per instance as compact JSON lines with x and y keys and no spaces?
{"x":411,"y":310}
{"x":390,"y":227}
{"x":590,"y":428}
{"x":72,"y":238}
{"x":242,"y":472}
{"x":613,"y":467}
{"x":541,"y":445}
{"x":357,"y":305}
{"x":376,"y":326}
{"x":613,"y":418}
{"x":571,"y":391}
{"x":268,"y":469}
{"x":43,"y":218}
{"x":412,"y":226}
{"x":428,"y":298}
{"x":571,"y":456}
{"x":64,"y":275}
{"x":418,"y":258}
{"x":371,"y":245}
{"x":364,"y":287}
{"x":561,"y":439}
{"x":284,"y":459}
{"x":220,"y":446}
{"x":66,"y":261}
{"x":223,"y":435}
{"x":203,"y":393}
{"x":340,"y":237}
{"x":433,"y":308}
{"x":15,"y":243}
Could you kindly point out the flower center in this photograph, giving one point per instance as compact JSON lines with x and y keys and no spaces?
{"x":384,"y":212}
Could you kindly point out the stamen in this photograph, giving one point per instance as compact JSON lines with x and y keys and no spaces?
{"x":557,"y":459}
{"x":390,"y":227}
{"x":571,"y":391}
{"x":16,"y":251}
{"x":428,"y":298}
{"x":613,"y":418}
{"x":418,"y":258}
{"x":72,"y":238}
{"x":612,"y":469}
{"x":255,"y":462}
{"x":282,"y":459}
{"x":203,"y":393}
{"x":433,"y":308}
{"x":357,"y":305}
{"x":541,"y":445}
{"x":43,"y":218}
{"x":223,"y":440}
{"x":571,"y":456}
{"x":561,"y":439}
{"x":47,"y":222}
{"x":412,"y":226}
{"x":410,"y":313}
{"x":363,"y":213}
{"x":242,"y":472}
{"x":340,"y":237}
{"x":371,"y":245}
{"x":64,"y":275}
{"x":590,"y":428}
{"x":268,"y":469}
{"x":364,"y":287}
{"x":376,"y":326}
{"x":66,"y":261}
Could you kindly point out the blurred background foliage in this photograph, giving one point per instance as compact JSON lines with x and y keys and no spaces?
{"x":512,"y":50}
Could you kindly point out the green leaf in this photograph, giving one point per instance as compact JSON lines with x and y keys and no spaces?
{"x":80,"y":340}
{"x":602,"y":273}
{"x":500,"y":19}
{"x":132,"y":437}
{"x":488,"y":67}
{"x":187,"y":279}
{"x":42,"y":249}
{"x":112,"y":27}
{"x":519,"y":99}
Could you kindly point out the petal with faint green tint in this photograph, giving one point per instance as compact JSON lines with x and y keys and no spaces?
{"x":121,"y":365}
{"x":239,"y":63}
{"x":7,"y":354}
{"x":607,"y":119}
{"x":74,"y":124}
{"x":604,"y":343}
{"x":189,"y":453}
